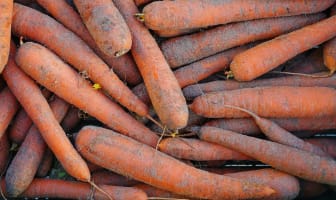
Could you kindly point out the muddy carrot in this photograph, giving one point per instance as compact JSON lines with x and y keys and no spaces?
{"x":105,"y":177}
{"x":45,"y":164}
{"x":4,"y":152}
{"x":8,"y":107}
{"x":6,"y":10}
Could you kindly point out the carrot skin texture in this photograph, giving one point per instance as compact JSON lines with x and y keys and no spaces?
{"x":305,"y":165}
{"x":186,"y":49}
{"x":8,"y":107}
{"x":163,"y":89}
{"x":6,"y":10}
{"x":104,"y":177}
{"x":59,"y":78}
{"x":179,"y":15}
{"x":94,"y":142}
{"x":123,"y":66}
{"x":268,"y":55}
{"x":56,"y":37}
{"x":23,"y":167}
{"x":4,"y":152}
{"x":45,"y":164}
{"x":278,"y":102}
{"x":106,"y":26}
{"x":328,"y":145}
{"x":37,"y":107}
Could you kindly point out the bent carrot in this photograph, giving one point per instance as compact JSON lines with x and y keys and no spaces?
{"x":162,"y":87}
{"x":45,"y":164}
{"x":34,"y":25}
{"x":4,"y":153}
{"x":8,"y":107}
{"x":278,"y":102}
{"x":187,"y":49}
{"x":61,"y":79}
{"x":6,"y":10}
{"x":184,"y":14}
{"x":268,"y":55}
{"x":304,"y":165}
{"x":328,"y":145}
{"x":113,"y":151}
{"x":104,"y":177}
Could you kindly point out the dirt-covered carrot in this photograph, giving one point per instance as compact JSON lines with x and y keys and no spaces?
{"x":194,"y":149}
{"x":34,"y":25}
{"x":184,"y":14}
{"x":278,"y":102}
{"x":163,"y":89}
{"x":45,"y":164}
{"x":24,"y":165}
{"x":106,"y":25}
{"x":4,"y":152}
{"x":187,"y":49}
{"x":71,"y":119}
{"x":123,"y":66}
{"x":30,"y":97}
{"x":105,"y":177}
{"x":8,"y":107}
{"x":114,"y":151}
{"x":61,"y":79}
{"x":266,"y":56}
{"x":328,"y":145}
{"x":6,"y":10}
{"x":61,"y":189}
{"x":303,"y":164}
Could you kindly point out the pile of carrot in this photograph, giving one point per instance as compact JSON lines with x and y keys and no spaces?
{"x":184,"y":99}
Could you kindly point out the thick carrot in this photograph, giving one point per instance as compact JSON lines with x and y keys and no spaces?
{"x":278,"y":102}
{"x":187,"y":49}
{"x":4,"y":153}
{"x":71,"y":119}
{"x":61,"y":189}
{"x":329,"y":55}
{"x":34,"y":25}
{"x":106,"y":25}
{"x":193,"y":91}
{"x":162,"y":87}
{"x":8,"y":107}
{"x":303,"y":164}
{"x":45,"y":164}
{"x":270,"y":54}
{"x":104,"y":177}
{"x":6,"y":10}
{"x":30,"y":97}
{"x":328,"y":145}
{"x":123,"y":66}
{"x":114,"y":151}
{"x":194,"y":149}
{"x":23,"y":167}
{"x":184,"y":14}
{"x":61,"y":79}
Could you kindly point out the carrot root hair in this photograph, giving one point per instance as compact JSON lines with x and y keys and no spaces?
{"x":100,"y":190}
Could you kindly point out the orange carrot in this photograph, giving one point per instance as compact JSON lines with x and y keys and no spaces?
{"x":328,"y":145}
{"x":74,"y":51}
{"x":187,"y":49}
{"x":184,"y":14}
{"x":268,"y":55}
{"x":303,"y":164}
{"x":106,"y":26}
{"x":61,"y":79}
{"x":104,"y":177}
{"x":45,"y":164}
{"x":4,"y":152}
{"x":114,"y":151}
{"x":8,"y":108}
{"x":278,"y":102}
{"x":6,"y":10}
{"x":123,"y":66}
{"x":162,"y":87}
{"x":71,"y":119}
{"x":24,"y":165}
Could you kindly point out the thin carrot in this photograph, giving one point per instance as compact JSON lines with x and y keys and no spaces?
{"x":34,"y":25}
{"x":303,"y":164}
{"x":187,"y":49}
{"x":71,"y":119}
{"x":268,"y":55}
{"x":104,"y":177}
{"x":8,"y":107}
{"x":4,"y":153}
{"x":24,"y":165}
{"x":6,"y":10}
{"x":328,"y":145}
{"x":184,"y":14}
{"x":61,"y":79}
{"x":278,"y":102}
{"x":45,"y":164}
{"x":114,"y":151}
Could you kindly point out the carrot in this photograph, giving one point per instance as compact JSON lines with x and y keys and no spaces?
{"x":106,"y":26}
{"x":71,"y":119}
{"x":194,"y":149}
{"x":184,"y":14}
{"x":65,"y":82}
{"x":23,"y":167}
{"x":45,"y":164}
{"x":37,"y":107}
{"x":173,"y":33}
{"x":49,"y":188}
{"x":187,"y":49}
{"x":114,"y":151}
{"x":8,"y":107}
{"x":162,"y":87}
{"x":21,"y":123}
{"x":157,"y":193}
{"x":303,"y":164}
{"x":329,"y":55}
{"x":104,"y":177}
{"x":328,"y":145}
{"x":34,"y":25}
{"x":270,"y":54}
{"x":4,"y":153}
{"x":193,"y":91}
{"x":123,"y":66}
{"x":6,"y":10}
{"x":278,"y":102}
